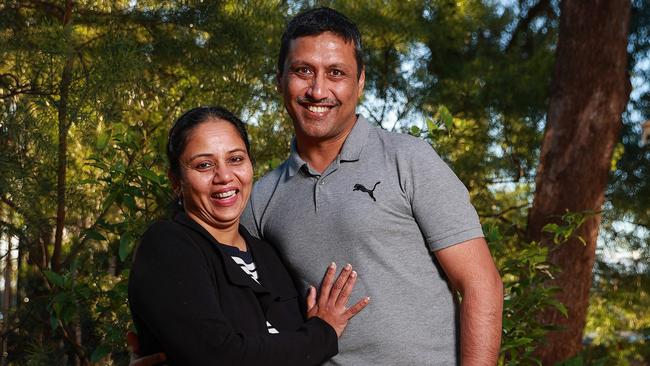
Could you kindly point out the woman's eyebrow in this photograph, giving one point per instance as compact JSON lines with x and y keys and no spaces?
{"x":199,"y":155}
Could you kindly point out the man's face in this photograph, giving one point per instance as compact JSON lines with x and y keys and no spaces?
{"x":320,"y":87}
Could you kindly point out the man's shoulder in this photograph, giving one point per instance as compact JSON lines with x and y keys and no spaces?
{"x":398,"y":143}
{"x":269,"y":181}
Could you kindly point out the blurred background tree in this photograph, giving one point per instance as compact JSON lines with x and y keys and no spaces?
{"x":88,"y":90}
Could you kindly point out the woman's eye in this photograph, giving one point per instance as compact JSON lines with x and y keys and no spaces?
{"x":203,"y":166}
{"x":237,"y":159}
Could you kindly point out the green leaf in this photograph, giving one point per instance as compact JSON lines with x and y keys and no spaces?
{"x":559,"y":306}
{"x":125,"y":247}
{"x":430,"y":125}
{"x":109,"y":200}
{"x":445,"y":117}
{"x":54,"y":278}
{"x":275,"y":162}
{"x":551,"y":228}
{"x":54,"y":322}
{"x":99,"y":353}
{"x":130,"y":203}
{"x":414,"y":131}
{"x":149,"y":175}
{"x":102,"y":140}
{"x":575,"y":361}
{"x":95,"y":235}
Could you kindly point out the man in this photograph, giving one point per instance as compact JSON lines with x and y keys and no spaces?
{"x":382,"y":201}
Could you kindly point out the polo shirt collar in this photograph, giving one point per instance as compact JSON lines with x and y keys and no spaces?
{"x":351,"y":150}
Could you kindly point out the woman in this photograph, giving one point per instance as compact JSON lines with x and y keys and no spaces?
{"x":203,"y":290}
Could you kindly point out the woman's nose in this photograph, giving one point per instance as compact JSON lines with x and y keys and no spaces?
{"x":222,"y":173}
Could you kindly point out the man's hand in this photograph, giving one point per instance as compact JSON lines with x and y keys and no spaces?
{"x":333,"y":298}
{"x":133,"y":343}
{"x":471,"y":271}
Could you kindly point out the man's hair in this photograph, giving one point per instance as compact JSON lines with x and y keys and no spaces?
{"x":320,"y":20}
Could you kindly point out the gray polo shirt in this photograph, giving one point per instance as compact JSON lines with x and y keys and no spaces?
{"x":383,"y":205}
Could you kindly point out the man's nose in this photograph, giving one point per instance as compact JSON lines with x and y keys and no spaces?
{"x":318,"y":89}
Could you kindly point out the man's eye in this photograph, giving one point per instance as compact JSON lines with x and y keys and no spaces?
{"x":336,"y":72}
{"x":302,"y":70}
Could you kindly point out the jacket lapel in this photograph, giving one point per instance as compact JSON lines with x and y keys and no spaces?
{"x":234,"y":273}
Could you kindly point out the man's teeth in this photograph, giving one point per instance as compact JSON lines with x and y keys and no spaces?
{"x":224,"y":194}
{"x":317,"y":109}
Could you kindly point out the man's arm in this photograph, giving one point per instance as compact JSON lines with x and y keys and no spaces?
{"x":471,"y":271}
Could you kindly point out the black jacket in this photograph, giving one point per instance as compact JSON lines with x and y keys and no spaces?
{"x":191,"y":301}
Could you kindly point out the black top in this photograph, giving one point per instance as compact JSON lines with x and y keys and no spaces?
{"x":193,"y":302}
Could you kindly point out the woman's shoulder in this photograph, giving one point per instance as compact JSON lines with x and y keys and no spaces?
{"x":164,"y":230}
{"x":165,"y":238}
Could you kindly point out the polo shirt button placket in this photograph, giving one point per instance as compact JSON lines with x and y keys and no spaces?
{"x":317,"y":194}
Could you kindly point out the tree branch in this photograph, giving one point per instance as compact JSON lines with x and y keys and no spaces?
{"x":522,"y":25}
{"x":503,"y":212}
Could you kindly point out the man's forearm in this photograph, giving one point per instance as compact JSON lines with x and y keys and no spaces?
{"x":471,"y":270}
{"x":480,"y":323}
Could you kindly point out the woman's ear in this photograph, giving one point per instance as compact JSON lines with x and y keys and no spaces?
{"x":176,"y":183}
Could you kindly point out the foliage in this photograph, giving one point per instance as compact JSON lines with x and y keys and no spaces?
{"x":470,"y":77}
{"x":525,"y":272}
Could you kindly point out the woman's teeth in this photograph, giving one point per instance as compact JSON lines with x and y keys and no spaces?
{"x":224,"y":194}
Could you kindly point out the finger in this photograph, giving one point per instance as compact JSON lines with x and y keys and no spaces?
{"x":133,"y":342}
{"x":344,"y":296}
{"x":149,"y":360}
{"x":326,"y":285}
{"x":311,"y":298}
{"x":356,"y":308}
{"x":339,"y":284}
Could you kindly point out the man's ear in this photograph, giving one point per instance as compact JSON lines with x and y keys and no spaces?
{"x":278,"y":82}
{"x":362,"y":81}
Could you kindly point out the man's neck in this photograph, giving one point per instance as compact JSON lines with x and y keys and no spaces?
{"x":319,"y":154}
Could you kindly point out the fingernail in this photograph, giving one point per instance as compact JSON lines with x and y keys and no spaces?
{"x":354,"y":274}
{"x":367,"y":298}
{"x":348,"y":267}
{"x":332,"y":265}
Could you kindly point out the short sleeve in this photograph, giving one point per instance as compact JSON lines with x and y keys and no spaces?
{"x":439,"y":200}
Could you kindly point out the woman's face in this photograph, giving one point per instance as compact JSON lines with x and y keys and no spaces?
{"x":216,"y":175}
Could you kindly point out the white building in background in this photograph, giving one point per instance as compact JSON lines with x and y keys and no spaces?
{"x":645,"y":133}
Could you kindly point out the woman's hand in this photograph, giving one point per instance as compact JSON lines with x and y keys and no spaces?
{"x":333,"y":298}
{"x":133,"y":343}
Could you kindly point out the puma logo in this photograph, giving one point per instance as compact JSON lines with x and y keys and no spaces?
{"x":360,"y":187}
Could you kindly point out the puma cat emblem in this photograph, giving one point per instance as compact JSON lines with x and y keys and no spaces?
{"x":362,"y":188}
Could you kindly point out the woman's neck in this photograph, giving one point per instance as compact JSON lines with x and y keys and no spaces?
{"x":228,"y":235}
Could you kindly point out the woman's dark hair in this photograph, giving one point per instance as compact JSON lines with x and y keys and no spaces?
{"x":177,"y":139}
{"x":317,"y":21}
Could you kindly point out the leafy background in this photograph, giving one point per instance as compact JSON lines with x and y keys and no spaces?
{"x":470,"y":77}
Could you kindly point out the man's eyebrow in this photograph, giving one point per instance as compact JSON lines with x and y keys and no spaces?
{"x":299,"y":62}
{"x":339,"y":66}
{"x":336,"y":65}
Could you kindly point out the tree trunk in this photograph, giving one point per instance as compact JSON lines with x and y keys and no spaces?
{"x":7,"y":297}
{"x":64,"y":125}
{"x":589,"y":92}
